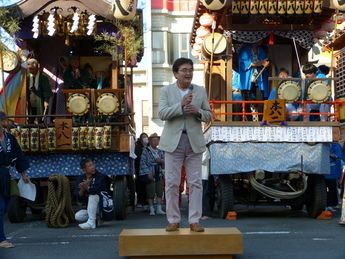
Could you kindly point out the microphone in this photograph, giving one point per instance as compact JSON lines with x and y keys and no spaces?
{"x":190,"y":88}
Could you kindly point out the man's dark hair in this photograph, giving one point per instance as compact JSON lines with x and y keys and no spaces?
{"x":179,"y":62}
{"x":324,"y":69}
{"x":309,"y":69}
{"x":283,"y":69}
{"x":2,"y":116}
{"x":84,"y":162}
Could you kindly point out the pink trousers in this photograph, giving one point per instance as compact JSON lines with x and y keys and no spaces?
{"x":173,"y":164}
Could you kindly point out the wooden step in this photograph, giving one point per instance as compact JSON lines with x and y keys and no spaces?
{"x":213,"y":243}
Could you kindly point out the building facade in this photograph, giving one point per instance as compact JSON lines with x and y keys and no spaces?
{"x":167,"y":30}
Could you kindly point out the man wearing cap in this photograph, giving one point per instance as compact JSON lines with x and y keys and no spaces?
{"x":183,"y":106}
{"x":151,"y":166}
{"x":38,"y":90}
{"x":74,"y":77}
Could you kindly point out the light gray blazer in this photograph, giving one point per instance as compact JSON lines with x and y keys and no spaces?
{"x":170,"y":111}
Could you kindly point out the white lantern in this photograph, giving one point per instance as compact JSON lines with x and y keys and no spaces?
{"x":203,"y":31}
{"x":206,"y":19}
{"x":340,"y":5}
{"x":214,"y":5}
{"x":124,"y":9}
{"x":195,"y":53}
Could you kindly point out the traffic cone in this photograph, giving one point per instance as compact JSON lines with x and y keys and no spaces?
{"x":231,"y":215}
{"x":325,"y":215}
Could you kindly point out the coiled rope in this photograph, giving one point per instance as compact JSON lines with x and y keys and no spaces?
{"x":59,"y":211}
{"x":276,"y":194}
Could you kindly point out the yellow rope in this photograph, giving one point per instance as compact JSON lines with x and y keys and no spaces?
{"x":59,"y":211}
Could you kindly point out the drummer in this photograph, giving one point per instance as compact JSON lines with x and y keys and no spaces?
{"x":311,"y":71}
{"x":290,"y":107}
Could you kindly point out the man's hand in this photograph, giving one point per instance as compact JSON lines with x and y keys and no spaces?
{"x":187,"y":99}
{"x":84,"y":185}
{"x":150,"y":176}
{"x":190,"y":109}
{"x":25,"y":178}
{"x":158,"y":160}
{"x":46,"y":104}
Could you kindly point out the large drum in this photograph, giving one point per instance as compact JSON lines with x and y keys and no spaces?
{"x":290,"y":91}
{"x":78,"y":104}
{"x":218,"y":46}
{"x":107,"y":103}
{"x":319,"y":91}
{"x":10,"y":61}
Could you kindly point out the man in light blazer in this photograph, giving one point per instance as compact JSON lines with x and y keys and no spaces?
{"x":183,"y":106}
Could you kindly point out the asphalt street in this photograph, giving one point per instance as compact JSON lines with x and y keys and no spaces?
{"x":268,"y":232}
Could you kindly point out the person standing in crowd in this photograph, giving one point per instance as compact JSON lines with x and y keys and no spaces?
{"x":74,"y":77}
{"x":311,"y":71}
{"x":152,"y":165}
{"x":336,"y":156}
{"x":252,"y":60}
{"x":87,"y":189}
{"x":10,"y":155}
{"x":183,"y":106}
{"x":38,"y":91}
{"x":206,"y":208}
{"x":140,"y":186}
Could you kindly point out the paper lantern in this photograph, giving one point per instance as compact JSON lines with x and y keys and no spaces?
{"x":206,"y":19}
{"x":340,"y":5}
{"x":195,"y":53}
{"x":328,"y":25}
{"x":214,"y":5}
{"x":198,"y":40}
{"x":203,"y":31}
{"x":124,"y":9}
{"x":197,"y":47}
{"x":320,"y":33}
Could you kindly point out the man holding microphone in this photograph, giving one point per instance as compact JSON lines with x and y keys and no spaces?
{"x":183,"y":106}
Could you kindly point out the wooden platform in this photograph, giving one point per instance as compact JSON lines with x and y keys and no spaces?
{"x":184,"y":243}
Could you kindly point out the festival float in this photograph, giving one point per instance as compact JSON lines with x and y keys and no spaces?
{"x":274,"y":160}
{"x":96,"y":123}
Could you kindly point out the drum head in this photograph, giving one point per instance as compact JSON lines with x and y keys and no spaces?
{"x":319,"y":91}
{"x":219,"y":44}
{"x":10,"y":61}
{"x":107,"y":104}
{"x":289,"y":91}
{"x":78,"y":104}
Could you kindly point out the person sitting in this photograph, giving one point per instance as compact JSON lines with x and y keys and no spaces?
{"x":75,"y":78}
{"x":151,"y":164}
{"x":38,"y":90}
{"x":87,"y":189}
{"x":311,"y":71}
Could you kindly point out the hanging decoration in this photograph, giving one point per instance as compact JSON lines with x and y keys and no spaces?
{"x":206,"y":19}
{"x":53,"y":24}
{"x":214,"y":5}
{"x":124,"y":9}
{"x":340,"y":5}
{"x":35,"y":26}
{"x":203,"y":31}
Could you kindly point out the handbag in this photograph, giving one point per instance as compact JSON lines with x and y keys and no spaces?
{"x":14,"y":189}
{"x":106,"y":206}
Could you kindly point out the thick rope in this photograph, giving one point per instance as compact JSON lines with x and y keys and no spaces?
{"x":59,"y":211}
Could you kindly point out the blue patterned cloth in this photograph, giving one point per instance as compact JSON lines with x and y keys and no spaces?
{"x":304,"y":38}
{"x":44,"y":165}
{"x":232,"y":158}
